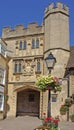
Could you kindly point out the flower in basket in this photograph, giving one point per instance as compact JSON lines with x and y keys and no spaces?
{"x":72,"y":117}
{"x":63,"y":109}
{"x":51,"y":122}
{"x":49,"y":82}
{"x":68,"y":102}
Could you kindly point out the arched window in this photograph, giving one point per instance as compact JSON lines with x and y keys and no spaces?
{"x":37,"y":43}
{"x":20,"y":45}
{"x":24,"y":46}
{"x":38,"y":66}
{"x":33,"y":43}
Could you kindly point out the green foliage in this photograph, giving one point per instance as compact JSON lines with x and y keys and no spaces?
{"x":72,"y":115}
{"x":45,"y":82}
{"x":63,"y":108}
{"x":68,"y":102}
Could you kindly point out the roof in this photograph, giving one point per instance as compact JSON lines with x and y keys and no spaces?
{"x":71,"y":59}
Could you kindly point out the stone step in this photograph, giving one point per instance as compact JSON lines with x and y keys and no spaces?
{"x":27,"y":114}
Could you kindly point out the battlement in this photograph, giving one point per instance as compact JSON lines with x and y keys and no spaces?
{"x":33,"y":25}
{"x":20,"y":30}
{"x":58,"y":8}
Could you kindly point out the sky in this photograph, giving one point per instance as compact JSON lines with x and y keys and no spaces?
{"x":16,"y":12}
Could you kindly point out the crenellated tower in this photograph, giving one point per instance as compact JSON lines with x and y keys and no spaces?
{"x":56,"y":35}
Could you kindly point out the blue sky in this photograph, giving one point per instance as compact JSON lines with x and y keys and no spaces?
{"x":15,"y":12}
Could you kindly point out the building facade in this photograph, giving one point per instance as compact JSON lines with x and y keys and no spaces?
{"x":28,"y":49}
{"x":3,"y":68}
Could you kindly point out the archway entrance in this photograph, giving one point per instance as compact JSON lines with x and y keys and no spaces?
{"x":28,"y":102}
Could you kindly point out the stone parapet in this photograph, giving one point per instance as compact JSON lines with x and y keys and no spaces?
{"x":20,"y":30}
{"x":58,"y":8}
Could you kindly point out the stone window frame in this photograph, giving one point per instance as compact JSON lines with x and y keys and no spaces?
{"x":38,"y":67}
{"x":33,"y":44}
{"x":3,"y":50}
{"x":37,"y":43}
{"x":20,"y":45}
{"x":17,"y":66}
{"x":24,"y":45}
{"x":1,"y":101}
{"x":2,"y":75}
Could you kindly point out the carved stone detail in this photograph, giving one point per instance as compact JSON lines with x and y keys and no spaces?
{"x":28,"y":67}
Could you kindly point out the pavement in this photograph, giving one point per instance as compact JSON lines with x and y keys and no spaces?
{"x":29,"y":123}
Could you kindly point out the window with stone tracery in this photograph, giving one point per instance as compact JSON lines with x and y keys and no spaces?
{"x":24,"y":45}
{"x":38,"y":65}
{"x":20,"y":45}
{"x":33,"y":44}
{"x":37,"y":43}
{"x":17,"y":67}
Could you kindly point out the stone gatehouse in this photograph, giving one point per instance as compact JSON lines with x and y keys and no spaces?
{"x":28,"y":47}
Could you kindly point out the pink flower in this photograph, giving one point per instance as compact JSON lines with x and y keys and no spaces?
{"x":46,"y":120}
{"x":51,"y":118}
{"x":56,"y":121}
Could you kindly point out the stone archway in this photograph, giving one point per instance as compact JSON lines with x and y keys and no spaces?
{"x":28,"y":102}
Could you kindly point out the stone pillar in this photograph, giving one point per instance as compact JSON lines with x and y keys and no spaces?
{"x":11,"y":103}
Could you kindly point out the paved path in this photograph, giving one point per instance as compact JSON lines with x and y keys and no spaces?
{"x":66,"y":125}
{"x":29,"y":123}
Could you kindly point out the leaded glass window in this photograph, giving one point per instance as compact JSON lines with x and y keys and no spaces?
{"x":37,"y":43}
{"x":33,"y":43}
{"x":20,"y":45}
{"x":38,"y":66}
{"x":17,"y":67}
{"x":24,"y":46}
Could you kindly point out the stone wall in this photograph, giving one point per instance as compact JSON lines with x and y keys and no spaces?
{"x":20,"y":30}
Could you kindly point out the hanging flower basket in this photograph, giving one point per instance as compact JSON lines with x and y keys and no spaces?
{"x":63,"y":112}
{"x":49,"y":83}
{"x":68,"y":102}
{"x":63,"y":109}
{"x":72,"y":117}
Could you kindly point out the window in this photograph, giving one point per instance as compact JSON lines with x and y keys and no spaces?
{"x":20,"y":45}
{"x":3,"y":50}
{"x":2,"y":76}
{"x":33,"y":43}
{"x":38,"y":66}
{"x":24,"y":46}
{"x":31,"y":97}
{"x":1,"y":101}
{"x":17,"y":67}
{"x":54,"y":97}
{"x":37,"y":43}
